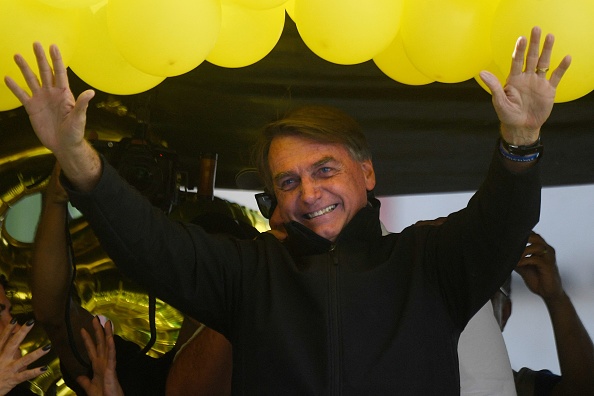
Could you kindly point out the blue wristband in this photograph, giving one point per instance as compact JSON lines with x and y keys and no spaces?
{"x":517,"y":158}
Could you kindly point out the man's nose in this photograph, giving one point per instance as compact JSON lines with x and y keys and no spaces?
{"x":310,"y":190}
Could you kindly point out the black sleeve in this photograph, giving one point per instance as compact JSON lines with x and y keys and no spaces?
{"x":181,"y":264}
{"x":477,"y":248}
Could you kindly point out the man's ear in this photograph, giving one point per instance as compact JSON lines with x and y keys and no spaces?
{"x":368,"y":174}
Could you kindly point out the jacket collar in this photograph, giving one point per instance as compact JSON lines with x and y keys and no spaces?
{"x":364,"y":226}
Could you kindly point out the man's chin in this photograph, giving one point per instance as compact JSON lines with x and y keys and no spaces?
{"x":326,"y":232}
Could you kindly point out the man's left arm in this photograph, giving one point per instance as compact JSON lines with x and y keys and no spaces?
{"x":479,"y":246}
{"x":527,"y":99}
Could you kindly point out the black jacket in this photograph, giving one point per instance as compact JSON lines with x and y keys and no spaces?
{"x":365,"y":315}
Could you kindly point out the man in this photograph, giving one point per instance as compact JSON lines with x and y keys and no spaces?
{"x":539,"y":271}
{"x":336,"y":308}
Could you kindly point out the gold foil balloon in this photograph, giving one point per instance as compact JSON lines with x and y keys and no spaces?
{"x":347,"y":31}
{"x":571,"y":22}
{"x":448,"y":41}
{"x":247,"y":35}
{"x":23,"y":22}
{"x":164,"y":37}
{"x":98,"y":62}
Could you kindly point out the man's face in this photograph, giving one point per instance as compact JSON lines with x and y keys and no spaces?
{"x":318,"y":184}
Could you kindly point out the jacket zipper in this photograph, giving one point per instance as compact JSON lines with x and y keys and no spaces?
{"x":334,"y":324}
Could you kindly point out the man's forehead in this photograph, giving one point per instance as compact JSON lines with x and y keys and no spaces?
{"x":308,"y":164}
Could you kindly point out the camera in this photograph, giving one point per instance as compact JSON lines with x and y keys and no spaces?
{"x":152,"y":169}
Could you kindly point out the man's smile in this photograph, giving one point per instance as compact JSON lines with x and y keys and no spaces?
{"x":320,"y":212}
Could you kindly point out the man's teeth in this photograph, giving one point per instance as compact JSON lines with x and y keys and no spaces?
{"x":320,"y":212}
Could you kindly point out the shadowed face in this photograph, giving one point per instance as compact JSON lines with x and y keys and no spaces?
{"x":317,"y":184}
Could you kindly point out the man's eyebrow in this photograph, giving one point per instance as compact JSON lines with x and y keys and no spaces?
{"x":323,"y":161}
{"x":316,"y":164}
{"x":282,"y":175}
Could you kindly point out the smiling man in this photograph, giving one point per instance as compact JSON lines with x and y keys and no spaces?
{"x":320,"y":167}
{"x":336,"y":307}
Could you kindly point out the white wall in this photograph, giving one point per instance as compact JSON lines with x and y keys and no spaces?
{"x":566,"y":216}
{"x":565,"y":223}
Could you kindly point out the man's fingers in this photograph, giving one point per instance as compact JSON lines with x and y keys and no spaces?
{"x":45,"y":71}
{"x":560,"y":71}
{"x":60,"y":74}
{"x":492,"y":82}
{"x":517,"y":65}
{"x":20,"y":93}
{"x":82,"y":102}
{"x":544,"y":61}
{"x":533,"y":50}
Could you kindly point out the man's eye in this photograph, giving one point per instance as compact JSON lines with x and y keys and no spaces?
{"x":287,"y":184}
{"x":325,"y":171}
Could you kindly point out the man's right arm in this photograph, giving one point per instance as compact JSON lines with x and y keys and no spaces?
{"x":57,"y":119}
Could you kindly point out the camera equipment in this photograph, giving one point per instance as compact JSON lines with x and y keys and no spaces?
{"x":150,"y":168}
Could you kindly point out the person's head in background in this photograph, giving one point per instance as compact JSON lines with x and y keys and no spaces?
{"x":317,"y":163}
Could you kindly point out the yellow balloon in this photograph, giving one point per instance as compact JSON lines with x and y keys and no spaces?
{"x":23,"y":22}
{"x":98,"y":62}
{"x":71,"y":3}
{"x":259,"y":4}
{"x":290,"y":8}
{"x":394,"y":63}
{"x":7,"y":100}
{"x":164,"y":37}
{"x":448,"y":41}
{"x":571,"y":21}
{"x":347,"y":31}
{"x":247,"y":35}
{"x":493,"y":68}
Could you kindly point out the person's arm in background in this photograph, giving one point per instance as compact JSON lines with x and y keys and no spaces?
{"x":575,"y":350}
{"x":51,"y":275}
